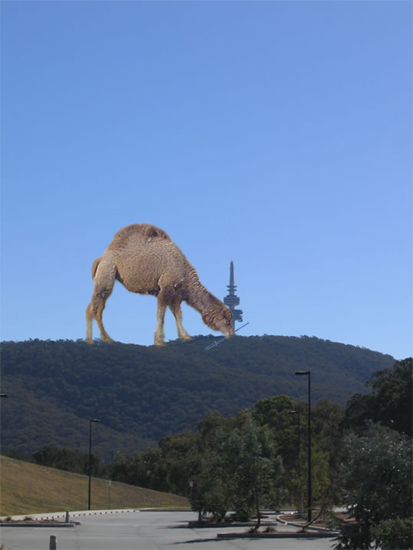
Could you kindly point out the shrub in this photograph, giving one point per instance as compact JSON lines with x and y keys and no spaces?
{"x":394,"y":534}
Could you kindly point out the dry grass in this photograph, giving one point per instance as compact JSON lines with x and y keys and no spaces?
{"x":29,"y":489}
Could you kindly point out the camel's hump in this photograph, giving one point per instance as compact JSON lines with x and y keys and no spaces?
{"x":145,"y":230}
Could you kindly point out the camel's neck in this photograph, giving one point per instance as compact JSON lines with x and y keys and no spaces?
{"x":196,"y":295}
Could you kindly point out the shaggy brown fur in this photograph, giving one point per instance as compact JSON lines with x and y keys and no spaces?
{"x":145,"y":260}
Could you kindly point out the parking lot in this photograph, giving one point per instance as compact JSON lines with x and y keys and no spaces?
{"x":147,"y":530}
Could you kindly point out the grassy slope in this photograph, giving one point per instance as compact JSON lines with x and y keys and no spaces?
{"x":28,"y":489}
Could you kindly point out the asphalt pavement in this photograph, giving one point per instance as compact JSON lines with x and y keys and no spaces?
{"x":147,"y":530}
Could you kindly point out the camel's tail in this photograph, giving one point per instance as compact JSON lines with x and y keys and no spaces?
{"x":95,"y":266}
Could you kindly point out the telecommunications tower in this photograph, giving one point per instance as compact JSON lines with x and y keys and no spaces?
{"x":232,"y":300}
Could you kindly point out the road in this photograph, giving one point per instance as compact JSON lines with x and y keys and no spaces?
{"x":146,"y":531}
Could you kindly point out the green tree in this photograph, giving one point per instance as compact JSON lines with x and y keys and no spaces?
{"x":277,"y":414}
{"x":181,"y":459}
{"x":69,"y":460}
{"x":390,"y":402}
{"x":328,"y":452}
{"x":143,"y":469}
{"x":256,"y":468}
{"x":289,"y":423}
{"x":378,"y":484}
{"x":239,"y":471}
{"x":214,"y":486}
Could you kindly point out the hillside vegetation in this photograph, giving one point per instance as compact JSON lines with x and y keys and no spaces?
{"x":30,"y":489}
{"x":141,"y":394}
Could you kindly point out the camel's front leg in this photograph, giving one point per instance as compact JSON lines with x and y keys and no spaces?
{"x":160,"y":317}
{"x":177,"y":312}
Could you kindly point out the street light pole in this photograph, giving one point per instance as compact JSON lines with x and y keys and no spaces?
{"x":310,"y":496}
{"x":90,"y":459}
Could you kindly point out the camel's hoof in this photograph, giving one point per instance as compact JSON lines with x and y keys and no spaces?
{"x":107,"y":339}
{"x":89,"y":341}
{"x":186,"y":338}
{"x":161,"y":344}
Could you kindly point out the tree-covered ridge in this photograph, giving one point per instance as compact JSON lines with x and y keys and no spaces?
{"x":142,"y":394}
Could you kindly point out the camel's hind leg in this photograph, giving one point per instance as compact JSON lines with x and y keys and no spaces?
{"x":104,"y":281}
{"x":165,"y":298}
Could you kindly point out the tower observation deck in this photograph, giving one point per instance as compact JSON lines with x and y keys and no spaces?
{"x":232,"y":300}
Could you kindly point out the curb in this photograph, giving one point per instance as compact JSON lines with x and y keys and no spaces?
{"x":204,"y":524}
{"x":102,"y":512}
{"x":316,"y":530}
{"x":275,"y":535}
{"x":36,"y":519}
{"x":78,"y":513}
{"x":60,"y":515}
{"x":37,"y":524}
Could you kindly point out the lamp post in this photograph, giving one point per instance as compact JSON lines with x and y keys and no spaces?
{"x":90,"y":459}
{"x":310,"y":496}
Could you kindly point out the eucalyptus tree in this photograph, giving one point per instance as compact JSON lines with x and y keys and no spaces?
{"x":378,"y":483}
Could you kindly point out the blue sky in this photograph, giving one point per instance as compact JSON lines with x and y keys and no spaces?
{"x":274,"y":134}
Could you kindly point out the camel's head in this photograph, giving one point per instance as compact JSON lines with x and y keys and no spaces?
{"x":220,"y":319}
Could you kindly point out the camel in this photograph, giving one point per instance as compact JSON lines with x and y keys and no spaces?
{"x":146,"y":261}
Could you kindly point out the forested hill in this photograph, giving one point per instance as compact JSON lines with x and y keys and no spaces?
{"x":141,"y":394}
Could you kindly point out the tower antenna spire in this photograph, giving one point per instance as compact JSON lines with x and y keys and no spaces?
{"x":232,"y":300}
